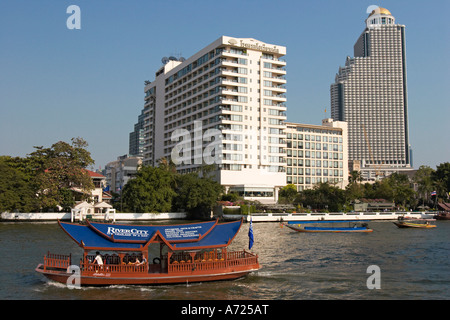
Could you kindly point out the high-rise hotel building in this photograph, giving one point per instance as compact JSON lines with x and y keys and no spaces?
{"x":225,"y":105}
{"x":370,"y":94}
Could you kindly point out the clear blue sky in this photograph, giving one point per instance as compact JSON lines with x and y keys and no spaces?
{"x":57,"y":83}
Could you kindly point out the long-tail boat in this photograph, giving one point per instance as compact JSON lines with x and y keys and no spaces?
{"x":408,"y":222}
{"x":329,"y":226}
{"x":186,"y":253}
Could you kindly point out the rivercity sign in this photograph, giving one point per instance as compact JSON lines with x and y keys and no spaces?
{"x":127,"y":232}
{"x":172,"y":233}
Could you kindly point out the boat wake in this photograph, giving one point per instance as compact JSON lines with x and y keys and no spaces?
{"x":278,"y":274}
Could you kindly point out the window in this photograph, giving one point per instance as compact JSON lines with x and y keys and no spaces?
{"x":242,"y":89}
{"x":242,"y":70}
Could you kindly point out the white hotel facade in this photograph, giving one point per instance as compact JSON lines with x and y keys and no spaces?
{"x":233,"y":90}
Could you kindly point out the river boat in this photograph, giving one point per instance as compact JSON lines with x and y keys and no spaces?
{"x":329,"y":226}
{"x":187,"y":253}
{"x":409,"y":222}
{"x":442,"y":216}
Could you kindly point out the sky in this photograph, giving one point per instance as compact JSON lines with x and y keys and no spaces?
{"x":58,"y":83}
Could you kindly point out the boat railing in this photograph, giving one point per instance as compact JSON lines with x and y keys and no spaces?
{"x":205,"y":262}
{"x":57,"y":261}
{"x":232,"y":259}
{"x":88,"y":267}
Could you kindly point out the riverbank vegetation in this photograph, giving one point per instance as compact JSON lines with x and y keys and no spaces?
{"x":43,"y":180}
{"x":416,"y":192}
{"x":46,"y":178}
{"x":162,"y":189}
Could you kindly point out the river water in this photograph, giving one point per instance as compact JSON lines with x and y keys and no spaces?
{"x":413,"y":264}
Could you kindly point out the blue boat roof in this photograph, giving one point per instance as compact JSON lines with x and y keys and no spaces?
{"x":88,"y":238}
{"x":143,"y":233}
{"x":221,"y":236}
{"x":130,"y":237}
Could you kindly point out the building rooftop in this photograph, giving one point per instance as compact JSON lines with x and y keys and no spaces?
{"x":380,"y":10}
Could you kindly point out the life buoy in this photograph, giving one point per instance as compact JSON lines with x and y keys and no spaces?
{"x":156,"y":261}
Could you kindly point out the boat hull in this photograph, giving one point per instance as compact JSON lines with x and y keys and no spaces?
{"x":333,"y":230}
{"x":442,"y":216}
{"x":107,"y":279}
{"x":414,"y":225}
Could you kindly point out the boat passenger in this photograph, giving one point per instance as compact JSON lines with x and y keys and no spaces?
{"x":144,"y":260}
{"x":98,"y":259}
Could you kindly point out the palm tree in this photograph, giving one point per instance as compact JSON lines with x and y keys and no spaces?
{"x":424,"y":180}
{"x":355,"y":176}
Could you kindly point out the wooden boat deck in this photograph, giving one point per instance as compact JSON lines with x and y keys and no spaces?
{"x":231,"y":266}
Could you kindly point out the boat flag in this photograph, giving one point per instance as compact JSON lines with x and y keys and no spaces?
{"x":250,"y":235}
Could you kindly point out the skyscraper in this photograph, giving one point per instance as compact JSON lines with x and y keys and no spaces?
{"x":225,"y":105}
{"x":136,"y":142}
{"x":370,"y":94}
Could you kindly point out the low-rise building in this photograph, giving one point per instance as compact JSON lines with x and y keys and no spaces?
{"x":120,"y":171}
{"x":316,"y":153}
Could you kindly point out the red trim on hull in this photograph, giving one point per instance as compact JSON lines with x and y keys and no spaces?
{"x":154,"y":279}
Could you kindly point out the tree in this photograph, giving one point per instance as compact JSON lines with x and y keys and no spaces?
{"x":424,"y":179}
{"x":288,"y":193}
{"x":17,"y":191}
{"x":354,"y":190}
{"x":150,"y":191}
{"x":323,"y":197}
{"x":441,"y":178}
{"x":379,"y":190}
{"x":402,"y":193}
{"x":60,"y":168}
{"x":197,"y":194}
{"x":355,"y":177}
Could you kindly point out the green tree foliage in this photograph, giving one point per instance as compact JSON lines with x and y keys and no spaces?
{"x":424,"y":180}
{"x":44,"y":178}
{"x":161,"y":189}
{"x":401,"y":191}
{"x":150,"y":191}
{"x":197,"y":194}
{"x":17,"y":190}
{"x":441,"y":178}
{"x":60,"y":168}
{"x":322,"y":197}
{"x":287,"y":194}
{"x":397,"y":188}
